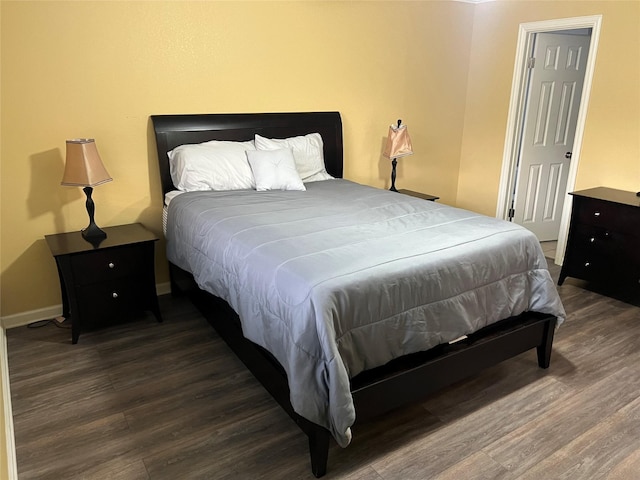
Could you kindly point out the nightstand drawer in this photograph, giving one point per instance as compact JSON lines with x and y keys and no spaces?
{"x":597,"y":213}
{"x":608,"y":215}
{"x":108,"y":301}
{"x":111,"y":264}
{"x":591,"y":268}
{"x":594,"y":239}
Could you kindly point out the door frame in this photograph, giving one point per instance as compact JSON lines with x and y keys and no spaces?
{"x":515,"y":119}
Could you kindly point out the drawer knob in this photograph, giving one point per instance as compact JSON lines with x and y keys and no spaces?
{"x":114,"y":294}
{"x":587,"y":264}
{"x":596,"y":214}
{"x":592,"y":239}
{"x":112,"y":265}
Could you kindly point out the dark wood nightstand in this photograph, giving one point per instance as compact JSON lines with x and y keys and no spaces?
{"x":104,"y":283}
{"x":423,"y":196}
{"x":604,"y":234}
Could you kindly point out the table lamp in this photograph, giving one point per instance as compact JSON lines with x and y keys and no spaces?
{"x":398,"y":145}
{"x":84,"y":168}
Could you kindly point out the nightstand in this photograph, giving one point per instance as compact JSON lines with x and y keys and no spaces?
{"x":604,"y":234}
{"x":104,"y":283}
{"x":423,"y":196}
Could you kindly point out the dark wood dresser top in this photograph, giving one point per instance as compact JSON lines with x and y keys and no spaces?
{"x":610,"y":195}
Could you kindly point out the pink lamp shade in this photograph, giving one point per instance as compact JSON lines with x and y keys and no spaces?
{"x":398,"y":142}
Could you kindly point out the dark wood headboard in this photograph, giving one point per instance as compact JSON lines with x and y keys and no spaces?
{"x":174,"y":130}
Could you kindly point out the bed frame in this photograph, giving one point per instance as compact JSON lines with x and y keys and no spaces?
{"x":402,"y":381}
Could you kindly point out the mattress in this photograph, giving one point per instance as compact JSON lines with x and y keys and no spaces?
{"x":344,"y":277}
{"x":165,"y":208}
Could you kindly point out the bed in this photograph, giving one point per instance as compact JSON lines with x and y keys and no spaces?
{"x":337,"y":336}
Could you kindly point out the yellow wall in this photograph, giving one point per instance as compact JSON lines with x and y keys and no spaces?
{"x":611,"y":146}
{"x":99,"y":69}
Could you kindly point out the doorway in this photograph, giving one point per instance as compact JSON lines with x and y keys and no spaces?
{"x":534,"y":184}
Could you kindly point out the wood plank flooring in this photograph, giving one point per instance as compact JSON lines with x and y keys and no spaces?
{"x":170,"y":401}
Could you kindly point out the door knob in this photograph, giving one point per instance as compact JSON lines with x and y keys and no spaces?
{"x":567,"y":155}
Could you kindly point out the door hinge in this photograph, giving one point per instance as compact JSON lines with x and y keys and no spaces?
{"x":531,"y":62}
{"x":511,"y":213}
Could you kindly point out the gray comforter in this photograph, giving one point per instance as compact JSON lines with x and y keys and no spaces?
{"x":344,"y":277}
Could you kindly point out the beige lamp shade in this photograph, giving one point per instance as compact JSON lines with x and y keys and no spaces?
{"x":398,"y":142}
{"x":84,"y":167}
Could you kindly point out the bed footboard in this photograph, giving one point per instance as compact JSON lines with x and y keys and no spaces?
{"x":411,"y":378}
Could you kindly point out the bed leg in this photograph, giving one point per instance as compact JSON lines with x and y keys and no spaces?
{"x":544,"y":349}
{"x":319,"y":450}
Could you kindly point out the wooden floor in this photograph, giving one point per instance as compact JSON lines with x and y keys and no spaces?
{"x":169,"y":401}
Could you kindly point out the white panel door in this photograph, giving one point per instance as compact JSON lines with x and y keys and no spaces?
{"x":555,"y":88}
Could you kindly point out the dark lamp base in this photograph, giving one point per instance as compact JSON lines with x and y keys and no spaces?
{"x":94,"y":235}
{"x":93,"y":232}
{"x":394,"y":162}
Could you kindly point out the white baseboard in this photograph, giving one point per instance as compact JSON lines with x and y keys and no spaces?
{"x":163,"y":288}
{"x":25,"y":318}
{"x":10,"y":470}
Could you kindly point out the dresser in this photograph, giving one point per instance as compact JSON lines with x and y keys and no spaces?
{"x":106,"y":282}
{"x":603,"y":245}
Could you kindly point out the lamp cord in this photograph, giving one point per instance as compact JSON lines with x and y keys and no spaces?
{"x":44,"y":323}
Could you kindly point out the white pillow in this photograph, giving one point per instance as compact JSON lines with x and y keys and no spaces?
{"x":274,"y":170}
{"x":214,"y":165}
{"x":307,"y":153}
